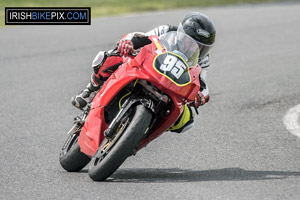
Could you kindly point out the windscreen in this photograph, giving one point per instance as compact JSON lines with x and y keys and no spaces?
{"x":182,"y":52}
{"x":181,"y":44}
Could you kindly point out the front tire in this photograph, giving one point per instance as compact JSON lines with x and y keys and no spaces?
{"x":111,"y":154}
{"x":71,"y":158}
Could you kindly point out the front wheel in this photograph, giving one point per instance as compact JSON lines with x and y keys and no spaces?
{"x":112,"y":153}
{"x":71,"y":158}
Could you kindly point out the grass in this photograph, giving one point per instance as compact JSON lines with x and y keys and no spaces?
{"x":113,"y":7}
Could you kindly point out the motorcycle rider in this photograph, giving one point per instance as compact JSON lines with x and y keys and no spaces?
{"x":195,"y":24}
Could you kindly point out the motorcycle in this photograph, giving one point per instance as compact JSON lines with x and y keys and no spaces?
{"x":141,"y":100}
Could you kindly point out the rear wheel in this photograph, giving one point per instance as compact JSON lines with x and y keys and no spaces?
{"x":112,"y":153}
{"x":71,"y":158}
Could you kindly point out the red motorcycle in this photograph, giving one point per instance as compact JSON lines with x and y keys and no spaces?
{"x":141,"y":100}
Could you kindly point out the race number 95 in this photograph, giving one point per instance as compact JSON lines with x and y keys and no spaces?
{"x":173,"y":67}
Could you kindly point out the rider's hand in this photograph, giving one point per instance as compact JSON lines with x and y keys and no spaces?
{"x":200,"y":99}
{"x":125,"y":47}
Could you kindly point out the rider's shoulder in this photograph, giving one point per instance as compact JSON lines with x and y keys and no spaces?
{"x":172,"y":27}
{"x":162,"y":29}
{"x":166,"y":28}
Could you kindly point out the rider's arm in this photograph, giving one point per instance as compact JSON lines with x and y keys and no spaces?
{"x":204,"y":63}
{"x":137,"y":40}
{"x":132,"y":41}
{"x":140,"y":39}
{"x":204,"y":87}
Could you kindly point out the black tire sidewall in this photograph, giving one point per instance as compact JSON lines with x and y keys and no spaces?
{"x":124,"y":147}
{"x":73,"y":160}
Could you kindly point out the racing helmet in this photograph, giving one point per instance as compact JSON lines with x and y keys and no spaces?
{"x":201,"y":29}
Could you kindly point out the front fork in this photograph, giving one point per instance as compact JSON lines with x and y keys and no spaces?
{"x":111,"y":130}
{"x":134,"y":99}
{"x":79,"y":120}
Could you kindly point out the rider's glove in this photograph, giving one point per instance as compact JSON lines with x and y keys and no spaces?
{"x":200,"y":99}
{"x":125,"y":47}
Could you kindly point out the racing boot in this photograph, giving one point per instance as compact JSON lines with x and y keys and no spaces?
{"x":184,"y":122}
{"x":87,"y":95}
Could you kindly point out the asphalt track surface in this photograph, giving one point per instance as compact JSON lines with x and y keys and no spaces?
{"x":239,"y":148}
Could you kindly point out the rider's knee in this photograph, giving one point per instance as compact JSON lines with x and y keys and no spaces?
{"x":98,"y":61}
{"x":105,"y":63}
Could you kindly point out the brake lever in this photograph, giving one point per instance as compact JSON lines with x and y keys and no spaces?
{"x":134,"y":52}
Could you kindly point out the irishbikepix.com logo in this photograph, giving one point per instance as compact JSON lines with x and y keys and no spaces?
{"x":47,"y":16}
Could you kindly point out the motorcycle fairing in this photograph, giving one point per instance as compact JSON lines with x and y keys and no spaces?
{"x":92,"y":133}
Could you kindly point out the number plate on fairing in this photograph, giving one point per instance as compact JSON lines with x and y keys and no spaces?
{"x":173,"y":67}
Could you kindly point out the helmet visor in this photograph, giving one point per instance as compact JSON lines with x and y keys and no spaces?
{"x":204,"y":49}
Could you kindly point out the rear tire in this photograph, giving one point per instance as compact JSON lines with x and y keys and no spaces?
{"x":71,"y":158}
{"x":107,"y":161}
